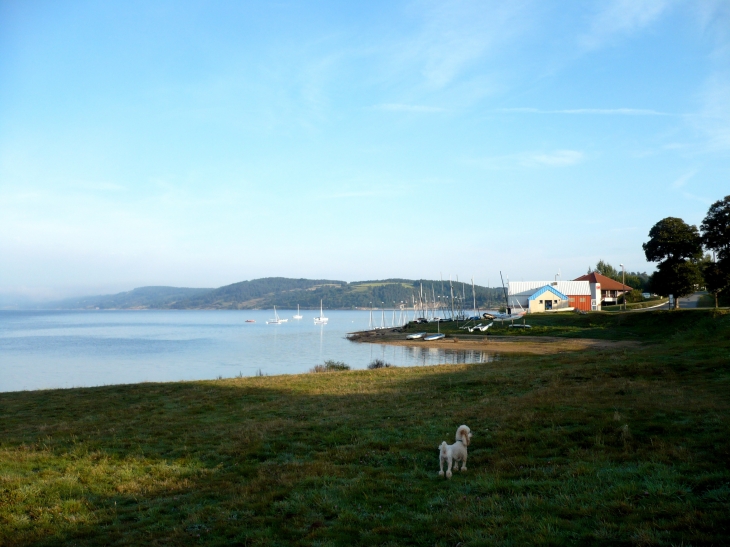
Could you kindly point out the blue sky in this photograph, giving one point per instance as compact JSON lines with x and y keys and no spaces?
{"x":204,"y":143}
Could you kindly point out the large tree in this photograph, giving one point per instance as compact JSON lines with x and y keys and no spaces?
{"x":716,"y":237}
{"x":676,"y":278}
{"x":716,"y":228}
{"x":717,"y":277}
{"x":677,"y":247}
{"x":674,"y":240}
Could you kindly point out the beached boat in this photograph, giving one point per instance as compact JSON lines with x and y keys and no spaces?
{"x":297,"y":316}
{"x":416,"y":336}
{"x":276,"y":320}
{"x":431,"y":337}
{"x":321,"y":320}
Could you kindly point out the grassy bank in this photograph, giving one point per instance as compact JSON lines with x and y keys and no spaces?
{"x":651,"y":325}
{"x":583,"y":448}
{"x":637,"y":305}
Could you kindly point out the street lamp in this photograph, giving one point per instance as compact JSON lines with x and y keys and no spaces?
{"x":623,"y":283}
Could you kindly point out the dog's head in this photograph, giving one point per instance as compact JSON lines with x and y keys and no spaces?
{"x":463,"y":434}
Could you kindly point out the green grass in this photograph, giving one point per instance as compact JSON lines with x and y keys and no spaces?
{"x":636,"y":305}
{"x":650,"y":325}
{"x":591,"y":448}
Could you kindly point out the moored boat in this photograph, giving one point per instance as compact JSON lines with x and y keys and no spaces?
{"x":276,"y":320}
{"x":321,"y":320}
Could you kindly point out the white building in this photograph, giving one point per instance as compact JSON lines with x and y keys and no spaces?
{"x":540,"y":296}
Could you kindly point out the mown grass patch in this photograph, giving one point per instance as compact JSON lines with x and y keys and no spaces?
{"x":628,"y":448}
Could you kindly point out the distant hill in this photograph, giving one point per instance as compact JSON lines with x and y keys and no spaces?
{"x":141,"y":298}
{"x":288,"y":293}
{"x":257,"y":293}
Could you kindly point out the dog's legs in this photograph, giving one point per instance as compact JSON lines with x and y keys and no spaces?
{"x":441,"y":466}
{"x":448,"y":468}
{"x":463,"y":463}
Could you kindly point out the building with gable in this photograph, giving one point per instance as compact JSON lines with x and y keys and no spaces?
{"x":610,"y":290}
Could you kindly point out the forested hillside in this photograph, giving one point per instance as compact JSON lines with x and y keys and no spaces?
{"x":256,"y":293}
{"x":140,"y":298}
{"x":288,"y":293}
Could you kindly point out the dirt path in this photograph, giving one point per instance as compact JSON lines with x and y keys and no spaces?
{"x":509,"y":344}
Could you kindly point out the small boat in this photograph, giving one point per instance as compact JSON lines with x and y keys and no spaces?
{"x":321,"y":320}
{"x":416,"y":336}
{"x":250,"y":320}
{"x":297,"y":316}
{"x":276,"y":320}
{"x":431,"y":337}
{"x":520,"y":327}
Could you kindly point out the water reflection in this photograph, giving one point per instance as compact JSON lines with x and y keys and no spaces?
{"x":73,"y":349}
{"x":435,"y":356}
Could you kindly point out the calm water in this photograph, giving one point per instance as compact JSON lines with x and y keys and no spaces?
{"x":60,"y":349}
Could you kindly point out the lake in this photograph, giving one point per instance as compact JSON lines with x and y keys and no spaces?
{"x":63,"y":349}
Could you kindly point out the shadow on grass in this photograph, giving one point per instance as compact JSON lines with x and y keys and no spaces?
{"x":591,"y":447}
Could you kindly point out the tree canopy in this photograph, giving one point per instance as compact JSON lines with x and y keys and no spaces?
{"x":716,"y":237}
{"x":717,"y":277}
{"x":716,"y":228}
{"x":676,"y":278}
{"x":677,"y":247}
{"x":674,"y":240}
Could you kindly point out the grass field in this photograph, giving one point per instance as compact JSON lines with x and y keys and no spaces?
{"x":640,"y":326}
{"x":575,"y":448}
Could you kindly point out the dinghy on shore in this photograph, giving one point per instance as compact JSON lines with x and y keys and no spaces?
{"x":431,"y":337}
{"x":416,"y":336}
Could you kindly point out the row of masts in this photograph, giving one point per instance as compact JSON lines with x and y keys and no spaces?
{"x":451,"y":306}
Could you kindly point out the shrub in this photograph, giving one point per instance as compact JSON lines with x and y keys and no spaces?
{"x":330,"y":366}
{"x":379,"y":363}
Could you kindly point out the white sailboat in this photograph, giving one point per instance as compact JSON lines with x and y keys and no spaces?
{"x":321,"y":320}
{"x":275,"y":320}
{"x":297,"y":316}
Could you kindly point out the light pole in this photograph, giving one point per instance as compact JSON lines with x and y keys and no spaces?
{"x":623,"y":284}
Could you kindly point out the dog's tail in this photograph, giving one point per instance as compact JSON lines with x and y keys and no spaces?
{"x":442,"y":448}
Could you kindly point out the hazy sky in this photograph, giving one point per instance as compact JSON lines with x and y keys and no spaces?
{"x":204,"y":143}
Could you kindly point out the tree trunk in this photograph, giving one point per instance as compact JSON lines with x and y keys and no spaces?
{"x":715,"y":300}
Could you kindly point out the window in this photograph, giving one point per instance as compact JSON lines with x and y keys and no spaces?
{"x":582,"y":299}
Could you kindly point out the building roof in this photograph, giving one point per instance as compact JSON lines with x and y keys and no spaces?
{"x":548,"y":288}
{"x":571,"y":288}
{"x":607,"y":284}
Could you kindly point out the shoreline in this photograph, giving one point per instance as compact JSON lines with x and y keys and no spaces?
{"x":543,"y":345}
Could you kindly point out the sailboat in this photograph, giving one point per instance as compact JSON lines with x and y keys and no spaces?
{"x":297,"y":316}
{"x":275,"y":320}
{"x":321,"y":320}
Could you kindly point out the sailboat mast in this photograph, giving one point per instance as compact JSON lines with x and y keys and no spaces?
{"x":451,"y":288}
{"x":474,"y":295}
{"x":505,"y":292}
{"x":433,"y":300}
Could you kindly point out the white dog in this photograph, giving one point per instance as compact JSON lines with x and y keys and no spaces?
{"x":454,"y":453}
